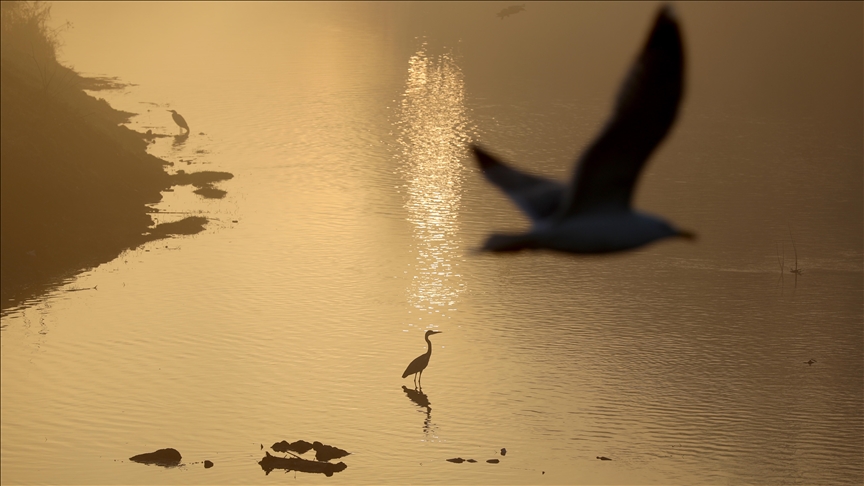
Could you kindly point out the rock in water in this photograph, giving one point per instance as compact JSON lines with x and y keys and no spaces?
{"x":163,"y":457}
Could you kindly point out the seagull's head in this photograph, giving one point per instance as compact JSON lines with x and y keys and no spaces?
{"x":685,"y":234}
{"x":653,"y":228}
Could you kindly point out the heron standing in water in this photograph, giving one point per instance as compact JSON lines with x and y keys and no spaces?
{"x":179,"y":120}
{"x":420,"y":362}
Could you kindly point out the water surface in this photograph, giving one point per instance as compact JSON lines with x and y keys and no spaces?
{"x":348,"y":228}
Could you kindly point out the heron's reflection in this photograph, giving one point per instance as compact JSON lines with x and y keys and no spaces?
{"x":179,"y":140}
{"x":434,"y":132}
{"x":421,"y":400}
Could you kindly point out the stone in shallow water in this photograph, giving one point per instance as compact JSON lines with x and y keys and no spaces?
{"x":208,"y":464}
{"x":162,"y":457}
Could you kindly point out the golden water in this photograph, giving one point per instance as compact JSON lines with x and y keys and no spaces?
{"x":348,"y":228}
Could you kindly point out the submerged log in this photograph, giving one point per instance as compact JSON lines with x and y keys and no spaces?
{"x":269,"y":463}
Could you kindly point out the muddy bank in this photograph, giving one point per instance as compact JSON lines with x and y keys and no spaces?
{"x":75,"y":184}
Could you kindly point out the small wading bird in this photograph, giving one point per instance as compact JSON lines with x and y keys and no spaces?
{"x":179,"y":120}
{"x":593,"y":214}
{"x":420,"y":362}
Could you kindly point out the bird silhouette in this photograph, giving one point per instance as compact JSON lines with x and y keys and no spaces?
{"x":511,"y":10}
{"x":420,"y":362}
{"x":179,"y":120}
{"x":593,"y":213}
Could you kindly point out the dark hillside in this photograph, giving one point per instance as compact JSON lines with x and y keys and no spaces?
{"x":74,"y":183}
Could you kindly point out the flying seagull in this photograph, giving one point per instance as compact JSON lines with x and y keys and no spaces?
{"x":593,"y":214}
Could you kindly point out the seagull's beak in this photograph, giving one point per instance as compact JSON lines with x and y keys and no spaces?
{"x":687,"y":234}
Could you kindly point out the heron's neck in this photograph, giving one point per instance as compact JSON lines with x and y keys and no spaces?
{"x":429,"y":347}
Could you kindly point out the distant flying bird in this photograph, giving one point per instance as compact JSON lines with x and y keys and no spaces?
{"x":420,"y":362}
{"x":179,"y":120}
{"x":810,"y":362}
{"x":593,"y":214}
{"x":513,"y":9}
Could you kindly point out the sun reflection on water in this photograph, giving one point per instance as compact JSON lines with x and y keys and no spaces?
{"x":434,"y":132}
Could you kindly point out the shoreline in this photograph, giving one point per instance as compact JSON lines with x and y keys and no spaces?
{"x":76,"y":183}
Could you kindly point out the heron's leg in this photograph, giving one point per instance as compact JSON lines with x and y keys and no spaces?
{"x":420,"y":380}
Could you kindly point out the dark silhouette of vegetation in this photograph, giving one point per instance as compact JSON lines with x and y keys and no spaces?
{"x":75,"y":184}
{"x":24,"y":30}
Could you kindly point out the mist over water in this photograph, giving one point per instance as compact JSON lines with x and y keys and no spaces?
{"x":347,"y":232}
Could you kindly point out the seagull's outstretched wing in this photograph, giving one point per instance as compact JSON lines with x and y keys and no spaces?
{"x":538,"y":197}
{"x":645,"y":109}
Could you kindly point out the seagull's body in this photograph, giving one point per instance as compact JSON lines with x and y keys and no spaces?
{"x":600,"y":232}
{"x":593,"y":214}
{"x":179,"y":120}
